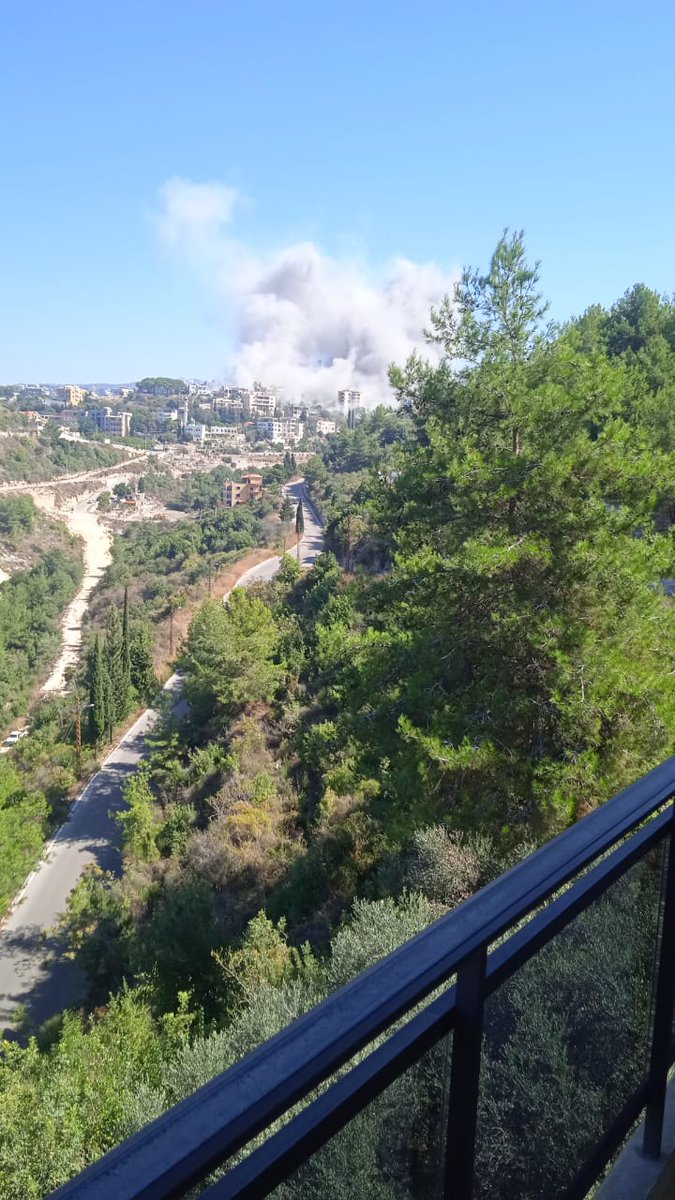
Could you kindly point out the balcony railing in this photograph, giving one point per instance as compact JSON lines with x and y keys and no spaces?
{"x":559,"y":976}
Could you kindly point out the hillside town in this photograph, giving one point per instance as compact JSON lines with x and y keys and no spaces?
{"x":166,"y":411}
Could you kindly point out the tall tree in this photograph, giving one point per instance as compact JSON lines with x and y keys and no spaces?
{"x":143,"y":676}
{"x":126,"y":644}
{"x":299,"y":524}
{"x":114,"y":661}
{"x":230,"y":655}
{"x":519,"y":585}
{"x":99,"y":692}
{"x":286,"y":510}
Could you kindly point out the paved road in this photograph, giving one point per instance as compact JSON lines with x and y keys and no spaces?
{"x":31,"y":971}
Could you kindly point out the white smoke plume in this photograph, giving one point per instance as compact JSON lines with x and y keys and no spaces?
{"x":302,"y":320}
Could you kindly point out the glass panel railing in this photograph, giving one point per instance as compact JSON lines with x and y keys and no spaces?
{"x":566,"y":1040}
{"x":392,"y":1150}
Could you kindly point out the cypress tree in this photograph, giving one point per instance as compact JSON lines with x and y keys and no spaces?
{"x":126,"y":645}
{"x":114,"y":661}
{"x":143,"y":675}
{"x":98,"y":692}
{"x":299,"y":524}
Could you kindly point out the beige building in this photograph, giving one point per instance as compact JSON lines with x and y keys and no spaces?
{"x":109,"y":422}
{"x":73,"y":395}
{"x":260,"y":404}
{"x":235,"y":492}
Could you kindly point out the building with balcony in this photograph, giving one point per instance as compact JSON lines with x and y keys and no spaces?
{"x":213,"y":435}
{"x":260,"y":403}
{"x":348,"y":398}
{"x":273,"y":430}
{"x":72,"y":395}
{"x":107,"y":421}
{"x":325,"y":427}
{"x":235,"y":492}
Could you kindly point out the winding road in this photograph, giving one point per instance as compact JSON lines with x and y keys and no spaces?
{"x":33,"y":973}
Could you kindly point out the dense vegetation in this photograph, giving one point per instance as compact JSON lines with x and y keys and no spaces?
{"x":46,"y":456}
{"x":32,"y":600}
{"x":367,"y":746}
{"x":34,"y":785}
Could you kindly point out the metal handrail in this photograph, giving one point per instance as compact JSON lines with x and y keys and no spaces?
{"x":184,"y":1145}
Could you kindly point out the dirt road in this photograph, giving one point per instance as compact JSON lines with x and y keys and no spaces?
{"x":84,"y":521}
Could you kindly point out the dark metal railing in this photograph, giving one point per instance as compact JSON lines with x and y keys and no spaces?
{"x":523,"y":911}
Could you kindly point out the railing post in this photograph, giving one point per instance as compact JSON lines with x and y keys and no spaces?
{"x":664,"y":996}
{"x":467,"y":1041}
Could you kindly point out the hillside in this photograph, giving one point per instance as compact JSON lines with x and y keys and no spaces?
{"x":484,"y":653}
{"x":46,"y":456}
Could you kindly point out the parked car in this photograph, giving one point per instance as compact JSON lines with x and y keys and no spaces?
{"x":15,"y":736}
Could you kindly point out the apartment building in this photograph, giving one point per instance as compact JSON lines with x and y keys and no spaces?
{"x":73,"y":396}
{"x":325,"y":427}
{"x":260,"y":404}
{"x":107,"y":421}
{"x":293,"y":412}
{"x":212,"y":435}
{"x":273,"y":430}
{"x":235,"y":492}
{"x":349,"y":399}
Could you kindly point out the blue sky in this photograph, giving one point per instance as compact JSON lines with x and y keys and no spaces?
{"x":371,"y":130}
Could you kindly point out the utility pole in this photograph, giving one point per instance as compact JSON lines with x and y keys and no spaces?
{"x":349,"y":540}
{"x":78,"y":737}
{"x":79,"y":707}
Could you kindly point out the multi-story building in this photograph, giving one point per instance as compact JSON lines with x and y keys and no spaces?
{"x":324,"y":427}
{"x":273,"y":430}
{"x":109,"y":422}
{"x":235,"y":492}
{"x":347,"y":398}
{"x":232,"y":409}
{"x":210,"y":435}
{"x":295,"y":431}
{"x":72,"y":395}
{"x":260,"y":404}
{"x":293,"y":412}
{"x":236,"y":395}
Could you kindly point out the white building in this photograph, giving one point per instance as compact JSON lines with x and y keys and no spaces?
{"x":260,"y":404}
{"x":167,"y":416}
{"x":324,"y":427}
{"x":349,"y":399}
{"x":109,"y":422}
{"x":274,"y":430}
{"x":271,"y":429}
{"x":211,"y":435}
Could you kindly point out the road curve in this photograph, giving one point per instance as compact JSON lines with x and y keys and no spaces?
{"x":32,"y":972}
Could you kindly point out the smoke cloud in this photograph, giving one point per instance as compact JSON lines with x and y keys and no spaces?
{"x":301,"y":319}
